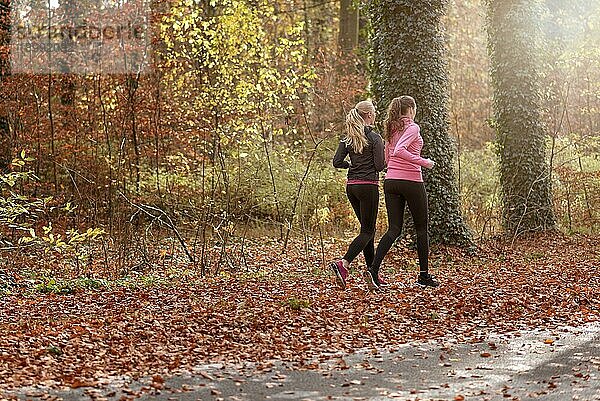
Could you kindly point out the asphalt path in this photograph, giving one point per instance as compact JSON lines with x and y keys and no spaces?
{"x":559,"y":364}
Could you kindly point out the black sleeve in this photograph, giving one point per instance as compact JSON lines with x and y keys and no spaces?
{"x":340,"y":156}
{"x":378,"y":152}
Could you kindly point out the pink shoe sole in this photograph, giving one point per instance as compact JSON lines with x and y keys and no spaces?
{"x":339,"y":278}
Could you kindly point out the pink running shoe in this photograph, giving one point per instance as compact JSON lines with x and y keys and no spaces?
{"x":340,"y":273}
{"x":381,"y":282}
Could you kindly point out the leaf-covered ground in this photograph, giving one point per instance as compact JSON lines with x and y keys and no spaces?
{"x":288,"y":311}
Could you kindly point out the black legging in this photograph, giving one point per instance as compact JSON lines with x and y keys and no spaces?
{"x":397,"y":194}
{"x":364,"y":199}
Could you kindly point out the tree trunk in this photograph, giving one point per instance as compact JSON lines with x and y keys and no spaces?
{"x":70,"y":15}
{"x":348,"y":37}
{"x":409,"y":58}
{"x":5,"y":134}
{"x":515,"y":44}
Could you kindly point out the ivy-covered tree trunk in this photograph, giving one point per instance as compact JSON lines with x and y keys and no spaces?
{"x":409,"y":58}
{"x":515,"y":44}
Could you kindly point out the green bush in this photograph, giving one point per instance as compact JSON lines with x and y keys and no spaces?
{"x":260,"y":189}
{"x":318,"y":199}
{"x":24,"y":216}
{"x":18,"y":212}
{"x":480,"y":191}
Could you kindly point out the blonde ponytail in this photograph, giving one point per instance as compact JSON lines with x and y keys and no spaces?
{"x":355,"y":126}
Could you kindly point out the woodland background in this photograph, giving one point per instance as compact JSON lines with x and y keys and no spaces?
{"x":153,"y":223}
{"x":229,"y":139}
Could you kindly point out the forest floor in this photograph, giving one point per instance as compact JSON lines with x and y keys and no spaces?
{"x":290,"y":312}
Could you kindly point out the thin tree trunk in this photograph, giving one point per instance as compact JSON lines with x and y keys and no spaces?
{"x":157,"y":133}
{"x":52,"y":133}
{"x":109,"y":184}
{"x":273,"y":184}
{"x":132,"y":86}
{"x":5,"y":134}
{"x":348,"y":36}
{"x":297,"y":197}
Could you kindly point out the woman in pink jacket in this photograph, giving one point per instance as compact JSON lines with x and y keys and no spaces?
{"x":403,"y":185}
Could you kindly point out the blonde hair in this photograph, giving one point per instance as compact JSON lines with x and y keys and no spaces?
{"x":396,"y":110}
{"x":355,"y":125}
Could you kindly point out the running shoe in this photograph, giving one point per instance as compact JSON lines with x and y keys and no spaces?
{"x":341,"y":273}
{"x":372,"y":280}
{"x":427,"y":280}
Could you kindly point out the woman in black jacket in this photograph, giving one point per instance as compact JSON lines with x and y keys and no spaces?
{"x":364,"y":147}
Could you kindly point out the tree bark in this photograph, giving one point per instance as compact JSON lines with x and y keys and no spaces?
{"x":409,"y":57}
{"x":515,"y":44}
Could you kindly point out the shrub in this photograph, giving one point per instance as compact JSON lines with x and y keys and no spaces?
{"x":479,"y":186}
{"x":576,"y":183}
{"x":25,"y":216}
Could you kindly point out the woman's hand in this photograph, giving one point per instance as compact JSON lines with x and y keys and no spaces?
{"x":429,"y":163}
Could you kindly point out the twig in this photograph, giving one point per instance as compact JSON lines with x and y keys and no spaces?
{"x":147,"y":209}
